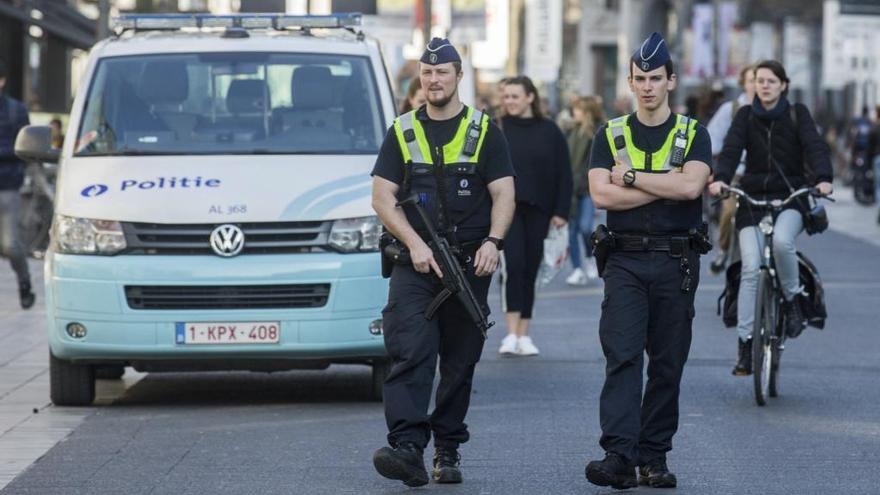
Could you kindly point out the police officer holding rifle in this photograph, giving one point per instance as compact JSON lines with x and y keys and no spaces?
{"x":443,"y":188}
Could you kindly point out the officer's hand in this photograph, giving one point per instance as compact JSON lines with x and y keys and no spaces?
{"x":617,"y":174}
{"x":824,"y":188}
{"x":715,"y":188}
{"x":558,"y":221}
{"x":486,"y":260}
{"x":423,"y":259}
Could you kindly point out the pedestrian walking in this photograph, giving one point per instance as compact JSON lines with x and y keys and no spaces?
{"x":457,"y":162}
{"x":778,"y":137}
{"x":718,"y":127}
{"x":588,"y":115}
{"x":873,"y":154}
{"x":648,"y":169}
{"x":543,"y":198}
{"x":13,"y":116}
{"x":415,"y":96}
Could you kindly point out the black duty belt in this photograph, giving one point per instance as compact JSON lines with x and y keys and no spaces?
{"x":674,"y":245}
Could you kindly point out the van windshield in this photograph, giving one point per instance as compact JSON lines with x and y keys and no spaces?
{"x":232,"y":103}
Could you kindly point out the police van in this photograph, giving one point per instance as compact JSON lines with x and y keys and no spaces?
{"x":213,"y":202}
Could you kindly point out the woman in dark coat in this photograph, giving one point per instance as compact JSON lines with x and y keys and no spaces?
{"x":543,"y":198}
{"x":779,"y":137}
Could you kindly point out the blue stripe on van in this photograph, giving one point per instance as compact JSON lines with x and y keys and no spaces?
{"x":322,"y":207}
{"x":298,"y":207}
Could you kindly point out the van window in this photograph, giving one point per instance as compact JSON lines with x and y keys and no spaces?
{"x":232,"y":103}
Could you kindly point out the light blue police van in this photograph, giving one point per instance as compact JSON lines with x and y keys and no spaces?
{"x":213,"y":201}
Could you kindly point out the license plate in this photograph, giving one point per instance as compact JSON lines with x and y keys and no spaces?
{"x":239,"y":332}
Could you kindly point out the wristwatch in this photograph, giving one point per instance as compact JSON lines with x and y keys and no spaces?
{"x":629,"y":177}
{"x":499,"y":243}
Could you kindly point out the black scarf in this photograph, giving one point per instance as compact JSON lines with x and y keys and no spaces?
{"x":774,"y":113}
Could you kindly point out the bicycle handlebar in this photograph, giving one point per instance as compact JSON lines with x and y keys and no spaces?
{"x":775,"y":203}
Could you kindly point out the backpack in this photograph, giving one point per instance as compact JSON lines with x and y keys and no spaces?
{"x":812,"y":302}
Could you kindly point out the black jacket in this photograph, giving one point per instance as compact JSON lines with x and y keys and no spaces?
{"x":13,"y":116}
{"x":539,"y":153}
{"x":793,"y":149}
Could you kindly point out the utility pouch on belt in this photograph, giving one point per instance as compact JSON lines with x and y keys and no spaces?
{"x":393,"y":253}
{"x":602,"y":242}
{"x":700,"y":239}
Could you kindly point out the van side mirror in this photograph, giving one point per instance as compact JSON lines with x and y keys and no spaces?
{"x":34,"y":144}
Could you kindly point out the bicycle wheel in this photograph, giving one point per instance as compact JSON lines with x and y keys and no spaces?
{"x":773,"y":388}
{"x":762,"y":331}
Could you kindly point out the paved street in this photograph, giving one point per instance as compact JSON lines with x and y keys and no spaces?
{"x":534,"y":421}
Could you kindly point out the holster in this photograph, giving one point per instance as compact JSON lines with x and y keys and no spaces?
{"x":700,"y":239}
{"x":393,"y":252}
{"x":602,"y":243}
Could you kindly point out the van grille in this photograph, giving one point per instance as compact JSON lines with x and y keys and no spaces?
{"x":260,"y":238}
{"x":227,"y":296}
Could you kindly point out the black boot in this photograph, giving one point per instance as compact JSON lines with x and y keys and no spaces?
{"x":794,"y":320}
{"x":404,"y":462}
{"x":612,"y":471}
{"x":25,"y":296}
{"x":744,"y":360}
{"x":717,"y":265}
{"x":446,"y":465}
{"x":656,"y":475}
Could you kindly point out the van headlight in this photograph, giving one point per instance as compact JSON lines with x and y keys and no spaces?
{"x":350,"y":235}
{"x":86,"y":236}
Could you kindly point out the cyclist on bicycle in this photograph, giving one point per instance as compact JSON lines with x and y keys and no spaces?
{"x":778,"y":138}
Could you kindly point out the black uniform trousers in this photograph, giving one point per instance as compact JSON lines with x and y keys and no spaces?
{"x":414,"y":344}
{"x":644,"y":311}
{"x":523,"y":250}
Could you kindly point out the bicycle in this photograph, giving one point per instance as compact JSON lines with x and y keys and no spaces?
{"x":768,"y":332}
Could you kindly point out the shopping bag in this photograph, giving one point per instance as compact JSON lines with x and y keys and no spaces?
{"x":555,"y":254}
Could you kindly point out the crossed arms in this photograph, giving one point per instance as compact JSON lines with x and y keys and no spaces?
{"x":609,"y":192}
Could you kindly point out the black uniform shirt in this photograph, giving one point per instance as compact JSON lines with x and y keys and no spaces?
{"x":493,"y":162}
{"x":663,"y":215}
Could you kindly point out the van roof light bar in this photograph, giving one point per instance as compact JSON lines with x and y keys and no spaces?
{"x":174,"y":22}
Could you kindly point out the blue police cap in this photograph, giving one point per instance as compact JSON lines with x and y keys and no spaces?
{"x":440,"y":51}
{"x":652,"y":54}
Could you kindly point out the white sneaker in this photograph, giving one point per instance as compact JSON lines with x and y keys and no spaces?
{"x":592,"y":271}
{"x":577,"y":277}
{"x":508,"y":345}
{"x":525,"y":347}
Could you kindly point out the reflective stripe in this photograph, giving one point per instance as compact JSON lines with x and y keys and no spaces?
{"x":419,"y":150}
{"x":618,"y":127}
{"x":412,"y":149}
{"x":635,"y":158}
{"x":475,"y":118}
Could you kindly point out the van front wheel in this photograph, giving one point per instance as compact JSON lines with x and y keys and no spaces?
{"x":380,"y":373}
{"x":70,"y":384}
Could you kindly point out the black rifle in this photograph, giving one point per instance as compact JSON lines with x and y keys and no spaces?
{"x":455,"y":282}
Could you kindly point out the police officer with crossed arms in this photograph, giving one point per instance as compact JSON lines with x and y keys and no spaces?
{"x":648,"y":169}
{"x":456,"y":161}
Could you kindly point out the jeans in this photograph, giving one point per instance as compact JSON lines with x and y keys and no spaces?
{"x":788,"y":225}
{"x":10,"y":244}
{"x":877,"y":178}
{"x":581,"y":226}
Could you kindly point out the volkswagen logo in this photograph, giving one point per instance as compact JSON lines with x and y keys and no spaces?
{"x":227,"y":240}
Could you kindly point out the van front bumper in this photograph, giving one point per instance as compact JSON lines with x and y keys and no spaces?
{"x":90,"y":290}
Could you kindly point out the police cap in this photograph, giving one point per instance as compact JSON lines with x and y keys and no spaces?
{"x":652,"y":54}
{"x":440,"y":51}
